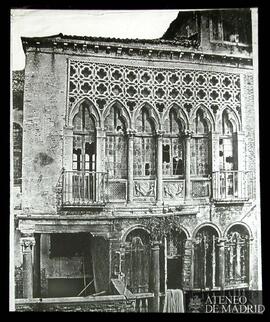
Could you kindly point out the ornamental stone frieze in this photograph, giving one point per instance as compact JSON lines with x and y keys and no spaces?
{"x":135,"y":85}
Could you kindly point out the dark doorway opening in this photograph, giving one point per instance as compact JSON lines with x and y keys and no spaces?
{"x":175,"y":254}
{"x":66,"y":287}
{"x":174,"y":271}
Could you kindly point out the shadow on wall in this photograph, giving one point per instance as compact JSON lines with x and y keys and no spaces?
{"x":42,"y":159}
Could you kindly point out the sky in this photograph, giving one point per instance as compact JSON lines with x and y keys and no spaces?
{"x":144,"y":24}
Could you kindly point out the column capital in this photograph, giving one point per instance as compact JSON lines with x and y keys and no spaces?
{"x":155,"y":244}
{"x":189,"y":243}
{"x":131,"y":132}
{"x":188,"y":134}
{"x":68,"y":128}
{"x":221,"y":242}
{"x":100,"y":132}
{"x":160,"y":133}
{"x":27,"y":243}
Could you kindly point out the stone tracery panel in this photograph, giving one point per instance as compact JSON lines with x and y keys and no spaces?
{"x":133,"y":86}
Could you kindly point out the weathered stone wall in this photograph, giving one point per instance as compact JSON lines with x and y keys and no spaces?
{"x":18,"y":281}
{"x":44,"y":112}
{"x":249,"y":120}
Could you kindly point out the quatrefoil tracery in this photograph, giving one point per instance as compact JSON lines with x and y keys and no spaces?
{"x":134,"y":85}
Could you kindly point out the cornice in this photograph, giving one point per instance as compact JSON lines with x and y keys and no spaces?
{"x":148,"y":51}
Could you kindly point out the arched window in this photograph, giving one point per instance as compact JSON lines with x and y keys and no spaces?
{"x":228,"y":158}
{"x":136,"y":264}
{"x":17,"y":153}
{"x":200,"y":160}
{"x":84,"y":140}
{"x":116,"y":145}
{"x":237,"y":256}
{"x":173,"y":147}
{"x":227,"y":151}
{"x":144,"y":146}
{"x":206,"y":258}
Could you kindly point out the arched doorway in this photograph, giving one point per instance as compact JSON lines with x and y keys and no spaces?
{"x":237,"y":256}
{"x":175,"y":253}
{"x":136,"y":266}
{"x":206,"y":258}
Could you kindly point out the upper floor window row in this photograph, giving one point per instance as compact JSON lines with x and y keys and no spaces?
{"x":145,"y":143}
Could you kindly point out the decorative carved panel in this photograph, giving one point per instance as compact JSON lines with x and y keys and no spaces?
{"x":144,"y":188}
{"x":173,"y":190}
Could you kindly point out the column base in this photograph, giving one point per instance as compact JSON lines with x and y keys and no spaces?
{"x":159,"y":203}
{"x":188,"y":201}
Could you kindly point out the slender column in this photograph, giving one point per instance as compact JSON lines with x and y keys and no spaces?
{"x":130,"y":135}
{"x":100,"y":166}
{"x":159,"y":166}
{"x":155,"y":276}
{"x":215,"y":165}
{"x":187,"y":265}
{"x":27,"y":244}
{"x":221,"y":254}
{"x":251,"y":271}
{"x":214,"y":262}
{"x":36,"y":266}
{"x":188,"y":135}
{"x":240,"y":165}
{"x":67,"y":164}
{"x":100,"y":147}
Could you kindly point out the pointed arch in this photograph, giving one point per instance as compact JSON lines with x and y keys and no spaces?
{"x":115,"y":122}
{"x":174,"y":123}
{"x":180,"y":113}
{"x":93,"y":110}
{"x":232,"y":116}
{"x":152,"y":112}
{"x":202,"y":123}
{"x":124,"y":113}
{"x":207,"y":115}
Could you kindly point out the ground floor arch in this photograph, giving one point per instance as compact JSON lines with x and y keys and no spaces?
{"x":136,"y":263}
{"x":206,"y":258}
{"x":237,"y":254}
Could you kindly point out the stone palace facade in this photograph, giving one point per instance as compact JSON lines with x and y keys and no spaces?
{"x":135,"y":166}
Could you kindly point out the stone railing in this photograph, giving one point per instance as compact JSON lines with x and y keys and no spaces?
{"x":84,"y":188}
{"x":233,"y":185}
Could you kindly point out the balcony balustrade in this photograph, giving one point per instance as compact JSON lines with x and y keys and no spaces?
{"x":94,"y":189}
{"x":233,"y":185}
{"x":84,"y":188}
